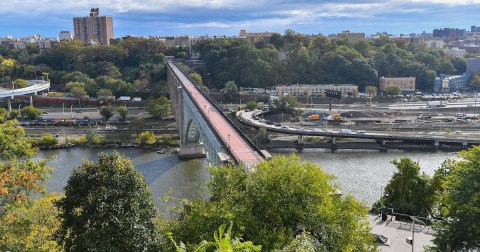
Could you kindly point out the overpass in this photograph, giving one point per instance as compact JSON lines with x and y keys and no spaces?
{"x":204,"y":129}
{"x":375,"y":141}
{"x":34,"y":86}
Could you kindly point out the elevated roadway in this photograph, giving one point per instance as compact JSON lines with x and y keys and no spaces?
{"x":241,"y":149}
{"x":385,"y":140}
{"x":34,"y":86}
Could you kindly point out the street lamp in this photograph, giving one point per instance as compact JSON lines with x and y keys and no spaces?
{"x":71,"y":111}
{"x":35,"y":72}
{"x":19,"y":105}
{"x":282,"y":118}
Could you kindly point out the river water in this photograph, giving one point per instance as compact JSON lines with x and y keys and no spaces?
{"x":360,"y":173}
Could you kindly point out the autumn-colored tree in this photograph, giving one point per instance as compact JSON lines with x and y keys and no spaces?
{"x":20,"y":179}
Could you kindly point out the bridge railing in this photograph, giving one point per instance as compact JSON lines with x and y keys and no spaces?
{"x":196,"y":105}
{"x":220,"y":109}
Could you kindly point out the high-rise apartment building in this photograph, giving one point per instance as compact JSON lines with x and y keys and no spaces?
{"x":351,"y":36}
{"x":64,"y":35}
{"x":93,"y":28}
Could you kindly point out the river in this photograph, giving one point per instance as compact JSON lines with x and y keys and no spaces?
{"x":360,"y":173}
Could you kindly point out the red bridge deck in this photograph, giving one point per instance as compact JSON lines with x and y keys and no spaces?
{"x":241,"y":150}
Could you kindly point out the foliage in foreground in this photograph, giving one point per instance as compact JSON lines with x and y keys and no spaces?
{"x":409,"y":192}
{"x":273,"y":204}
{"x":25,"y":224}
{"x":107,"y":207}
{"x":223,"y":242}
{"x":460,"y":231}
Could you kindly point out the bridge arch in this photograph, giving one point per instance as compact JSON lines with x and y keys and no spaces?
{"x":193,"y":133}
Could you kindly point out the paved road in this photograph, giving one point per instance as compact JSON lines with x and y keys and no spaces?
{"x":397,"y":232}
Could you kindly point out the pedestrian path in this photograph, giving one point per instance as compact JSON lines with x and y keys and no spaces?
{"x":397,"y":233}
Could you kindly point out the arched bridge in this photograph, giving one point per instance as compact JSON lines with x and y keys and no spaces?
{"x":204,"y":129}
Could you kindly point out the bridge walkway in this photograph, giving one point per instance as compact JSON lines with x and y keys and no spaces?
{"x":240,"y":149}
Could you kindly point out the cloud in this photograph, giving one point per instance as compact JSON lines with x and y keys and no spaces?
{"x":198,"y":16}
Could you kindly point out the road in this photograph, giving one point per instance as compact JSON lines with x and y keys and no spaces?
{"x":91,"y":113}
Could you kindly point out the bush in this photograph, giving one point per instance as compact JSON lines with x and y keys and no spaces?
{"x":48,"y":140}
{"x":146,"y":138}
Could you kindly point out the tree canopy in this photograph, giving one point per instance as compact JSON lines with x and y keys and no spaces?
{"x":270,"y":205}
{"x":25,"y":224}
{"x":460,"y":230}
{"x":107,"y":207}
{"x":294,"y":58}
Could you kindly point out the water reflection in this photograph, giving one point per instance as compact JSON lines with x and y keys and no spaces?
{"x":360,"y":173}
{"x":161,"y":171}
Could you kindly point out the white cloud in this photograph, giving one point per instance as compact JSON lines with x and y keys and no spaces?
{"x":29,"y":6}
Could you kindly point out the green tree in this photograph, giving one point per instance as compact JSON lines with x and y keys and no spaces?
{"x":285,"y":104}
{"x":146,"y":138}
{"x":302,"y":243}
{"x":30,"y":112}
{"x":262,"y":136}
{"x":198,"y":78}
{"x":103,"y":92}
{"x":460,"y":231}
{"x":136,"y":125}
{"x":269,"y":204}
{"x":20,"y":83}
{"x":159,"y":108}
{"x":251,"y":105}
{"x":3,"y":115}
{"x":91,"y":137}
{"x":409,"y":192}
{"x":7,"y":66}
{"x":223,"y":242}
{"x":107,"y":112}
{"x":393,"y":90}
{"x":107,"y":207}
{"x":230,"y":90}
{"x":13,"y":114}
{"x":48,"y":140}
{"x":139,"y":86}
{"x":371,"y":90}
{"x":475,"y":82}
{"x":122,"y":111}
{"x":276,"y":40}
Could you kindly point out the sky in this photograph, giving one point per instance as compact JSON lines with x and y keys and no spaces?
{"x":22,"y":18}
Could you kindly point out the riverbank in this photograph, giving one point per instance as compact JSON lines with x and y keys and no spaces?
{"x":160,"y":149}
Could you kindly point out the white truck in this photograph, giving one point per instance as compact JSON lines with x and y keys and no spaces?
{"x":345,"y":131}
{"x":431,"y":104}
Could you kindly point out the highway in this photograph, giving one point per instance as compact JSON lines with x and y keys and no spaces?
{"x":247,"y":118}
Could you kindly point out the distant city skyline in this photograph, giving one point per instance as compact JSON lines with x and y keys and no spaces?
{"x":227,"y":17}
